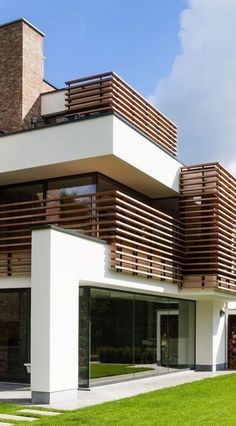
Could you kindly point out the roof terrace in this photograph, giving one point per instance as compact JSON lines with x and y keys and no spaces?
{"x":108,"y":93}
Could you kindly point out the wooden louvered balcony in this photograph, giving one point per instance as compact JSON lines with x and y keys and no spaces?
{"x":143,"y":241}
{"x":109,"y":93}
{"x":208,"y":213}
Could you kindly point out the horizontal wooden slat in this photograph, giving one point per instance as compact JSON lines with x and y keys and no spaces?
{"x":108,"y":92}
{"x":143,"y":240}
{"x":207,"y":209}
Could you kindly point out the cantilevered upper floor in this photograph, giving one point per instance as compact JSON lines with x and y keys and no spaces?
{"x":94,"y":124}
{"x":103,"y":143}
{"x":162,"y":221}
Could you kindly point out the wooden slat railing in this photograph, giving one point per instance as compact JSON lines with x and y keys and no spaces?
{"x":208,"y":213}
{"x":143,"y":240}
{"x":109,"y":93}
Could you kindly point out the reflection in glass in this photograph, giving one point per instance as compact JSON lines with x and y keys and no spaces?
{"x":75,"y":186}
{"x":111,"y":334}
{"x":133,"y":335}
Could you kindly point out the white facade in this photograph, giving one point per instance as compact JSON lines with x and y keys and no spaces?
{"x":64,"y":261}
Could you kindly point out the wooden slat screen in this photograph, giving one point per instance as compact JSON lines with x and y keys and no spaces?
{"x":143,"y":240}
{"x":109,"y":93}
{"x":147,"y":242}
{"x":208,"y":213}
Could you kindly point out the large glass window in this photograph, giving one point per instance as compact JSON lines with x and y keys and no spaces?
{"x":125,"y":335}
{"x":75,"y":186}
{"x":14,"y":334}
{"x":68,"y":198}
{"x":112,"y":340}
{"x":27,"y":192}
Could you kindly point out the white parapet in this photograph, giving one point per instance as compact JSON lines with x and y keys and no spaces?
{"x":53,"y":102}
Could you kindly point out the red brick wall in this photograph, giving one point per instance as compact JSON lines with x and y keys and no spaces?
{"x":21,"y":75}
{"x":11,"y":51}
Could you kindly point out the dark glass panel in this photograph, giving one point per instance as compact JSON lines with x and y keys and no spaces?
{"x":111,"y":335}
{"x":66,"y":202}
{"x":149,"y":337}
{"x":84,"y":336}
{"x":78,"y":185}
{"x":106,"y":184}
{"x":134,"y":335}
{"x":27,"y":192}
{"x":14,"y":335}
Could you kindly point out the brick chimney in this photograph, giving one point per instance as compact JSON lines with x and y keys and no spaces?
{"x":21,"y":75}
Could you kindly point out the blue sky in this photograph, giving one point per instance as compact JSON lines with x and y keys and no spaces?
{"x":138,"y":39}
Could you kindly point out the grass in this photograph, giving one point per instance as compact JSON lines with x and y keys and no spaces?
{"x":105,"y":370}
{"x":208,"y":402}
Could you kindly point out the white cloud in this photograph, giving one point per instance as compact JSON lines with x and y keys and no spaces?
{"x":199,"y":94}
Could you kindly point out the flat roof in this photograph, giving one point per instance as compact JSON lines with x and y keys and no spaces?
{"x":26,"y":22}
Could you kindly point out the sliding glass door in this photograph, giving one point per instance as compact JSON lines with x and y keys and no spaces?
{"x":127,"y":335}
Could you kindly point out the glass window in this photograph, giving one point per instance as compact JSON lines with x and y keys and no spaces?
{"x":14,"y":334}
{"x":68,"y":201}
{"x":84,"y":336}
{"x":29,"y":192}
{"x":125,"y":335}
{"x":16,"y":220}
{"x":74,"y":186}
{"x":106,"y":184}
{"x":111,"y":335}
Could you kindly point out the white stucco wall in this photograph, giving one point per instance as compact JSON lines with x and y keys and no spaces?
{"x":105,"y":144}
{"x":53,"y":102}
{"x":15,"y":282}
{"x":210,"y":334}
{"x":54,"y":316}
{"x":133,"y":147}
{"x":231,"y":305}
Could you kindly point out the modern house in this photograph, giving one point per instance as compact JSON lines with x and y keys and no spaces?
{"x":116,"y":260}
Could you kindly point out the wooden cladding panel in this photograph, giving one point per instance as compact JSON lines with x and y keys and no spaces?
{"x":143,"y":240}
{"x":109,"y":93}
{"x":208,"y":213}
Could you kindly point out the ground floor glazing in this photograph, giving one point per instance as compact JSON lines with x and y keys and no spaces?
{"x":126,"y":335}
{"x":122,"y":335}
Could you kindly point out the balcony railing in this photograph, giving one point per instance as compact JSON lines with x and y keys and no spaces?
{"x":208,"y":212}
{"x":109,"y":93}
{"x":144,"y":241}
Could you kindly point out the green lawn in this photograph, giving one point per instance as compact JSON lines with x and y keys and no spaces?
{"x":105,"y":370}
{"x":208,"y":402}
